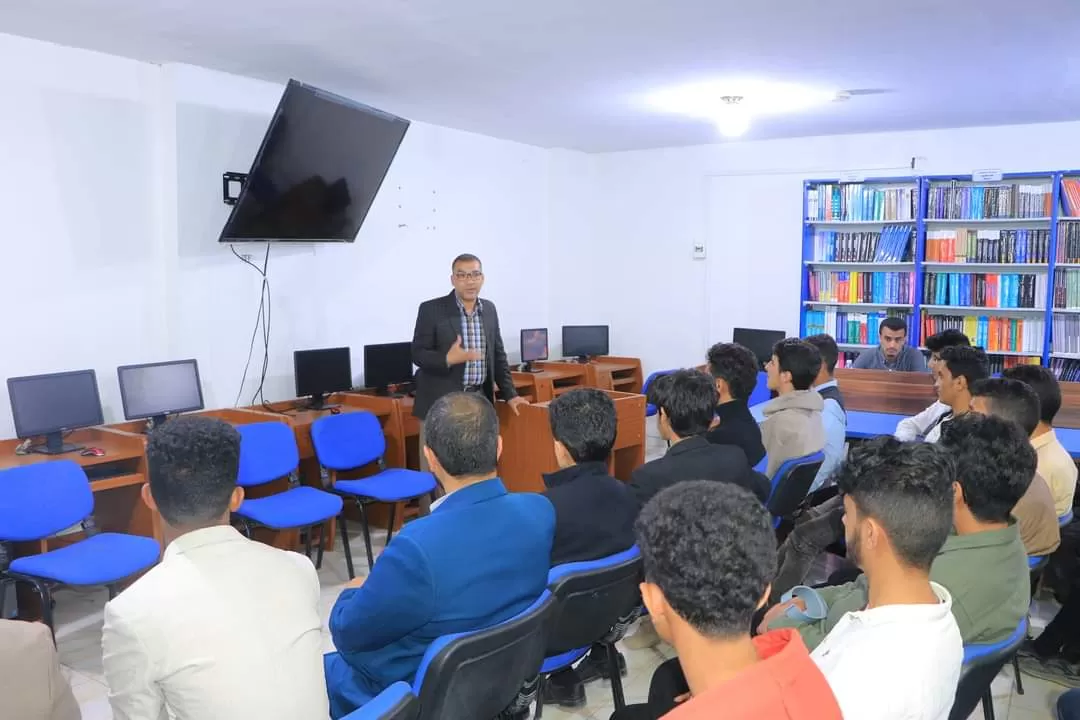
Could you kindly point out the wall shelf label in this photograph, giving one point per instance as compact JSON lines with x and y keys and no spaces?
{"x":988,"y":175}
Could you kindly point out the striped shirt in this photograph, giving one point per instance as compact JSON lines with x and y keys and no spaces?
{"x":472,"y":338}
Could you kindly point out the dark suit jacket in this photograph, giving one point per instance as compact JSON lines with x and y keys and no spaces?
{"x":696,"y":458}
{"x":738,"y":427}
{"x":594,"y":513}
{"x":438,"y":326}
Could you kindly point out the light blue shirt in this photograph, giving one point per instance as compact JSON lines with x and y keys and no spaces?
{"x":835,"y":420}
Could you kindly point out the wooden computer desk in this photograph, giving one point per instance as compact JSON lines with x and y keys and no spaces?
{"x":606,"y":373}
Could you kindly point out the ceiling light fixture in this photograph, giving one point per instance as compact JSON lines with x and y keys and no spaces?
{"x":731,"y":118}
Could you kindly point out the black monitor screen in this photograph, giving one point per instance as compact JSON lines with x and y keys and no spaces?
{"x":759,"y":342}
{"x":160,"y":388}
{"x":322,"y":371}
{"x":584,"y":340}
{"x":388,"y":364}
{"x":318,"y":170}
{"x":43,"y":404}
{"x":534,"y":345}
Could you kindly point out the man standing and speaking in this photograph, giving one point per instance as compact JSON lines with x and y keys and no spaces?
{"x":458,"y":346}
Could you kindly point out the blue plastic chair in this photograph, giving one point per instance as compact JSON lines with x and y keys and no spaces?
{"x":36,"y":502}
{"x":651,"y":409}
{"x":761,"y":392}
{"x":268,"y":452}
{"x":1065,"y":519}
{"x":351,"y":441}
{"x":791,"y":483}
{"x":982,"y":663}
{"x":396,"y":702}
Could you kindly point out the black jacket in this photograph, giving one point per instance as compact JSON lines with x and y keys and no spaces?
{"x":438,"y":326}
{"x":738,"y":427}
{"x":696,"y":458}
{"x":594,"y":513}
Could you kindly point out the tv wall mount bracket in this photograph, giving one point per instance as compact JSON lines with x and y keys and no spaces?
{"x":232,"y":181}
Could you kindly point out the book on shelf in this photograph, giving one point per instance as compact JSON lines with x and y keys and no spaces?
{"x":988,"y":290}
{"x":1065,"y":369}
{"x":861,"y":287}
{"x":892,"y":244}
{"x":1067,"y":288}
{"x":999,"y":363}
{"x":961,"y":245}
{"x":1068,"y":242}
{"x":963,"y":201}
{"x":1070,"y":196}
{"x":995,"y":334}
{"x":847,"y":358}
{"x":1065,"y":337}
{"x":855,"y":202}
{"x":850,"y":328}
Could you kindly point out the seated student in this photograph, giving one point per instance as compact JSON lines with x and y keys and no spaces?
{"x":833,"y":414}
{"x":900,"y":657}
{"x":223,"y":627}
{"x":982,"y":565}
{"x":31,"y":682}
{"x":915,"y":428}
{"x":708,"y":555}
{"x":594,"y":512}
{"x":893,"y":353}
{"x":960,"y":368}
{"x":735,"y":370}
{"x":480,"y":557}
{"x":793,"y":426}
{"x":1017,"y":402}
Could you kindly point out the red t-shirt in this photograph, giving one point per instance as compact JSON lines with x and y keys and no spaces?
{"x":784,"y":684}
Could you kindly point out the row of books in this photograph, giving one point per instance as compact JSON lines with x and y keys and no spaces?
{"x":988,"y":246}
{"x":999,"y":363}
{"x":1067,"y":288}
{"x":995,"y":334}
{"x":1070,"y":196}
{"x":862,"y":287}
{"x":955,"y":201}
{"x":861,"y":203}
{"x":853,"y":328}
{"x":989,"y":290}
{"x":1066,"y":334}
{"x":1068,"y":242}
{"x":892,"y":244}
{"x":1065,"y":369}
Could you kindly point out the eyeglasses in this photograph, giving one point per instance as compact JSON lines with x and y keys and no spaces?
{"x":474,"y":275}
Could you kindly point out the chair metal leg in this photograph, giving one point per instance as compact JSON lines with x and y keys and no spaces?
{"x":1016,"y":674}
{"x":307,"y":541}
{"x":616,"y":677}
{"x":45,"y":596}
{"x":540,"y":697}
{"x":390,"y":525}
{"x":322,"y":546}
{"x":345,"y":544}
{"x":113,"y":592}
{"x":988,"y":704}
{"x":367,"y":536}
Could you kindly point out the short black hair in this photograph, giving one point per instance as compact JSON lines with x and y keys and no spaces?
{"x":462,"y":430}
{"x":947,"y":338}
{"x":688,"y":399}
{"x":894,"y":324}
{"x":736,"y":365}
{"x":826,"y":347}
{"x":907,"y":487}
{"x":799,"y":358}
{"x":583,"y":420}
{"x":711,"y":550}
{"x":969,"y":363}
{"x":193,"y":463}
{"x":1011,"y":399}
{"x":995,"y":463}
{"x":1045,"y":385}
{"x":465,"y":258}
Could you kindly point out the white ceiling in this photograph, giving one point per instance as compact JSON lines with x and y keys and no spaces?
{"x":572,"y":73}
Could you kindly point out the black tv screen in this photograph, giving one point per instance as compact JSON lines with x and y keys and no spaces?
{"x":318,"y":170}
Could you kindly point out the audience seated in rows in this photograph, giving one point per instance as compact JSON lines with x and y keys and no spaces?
{"x":893,"y":352}
{"x":793,"y":426}
{"x":916,"y":427}
{"x":833,"y":413}
{"x":735,"y":370}
{"x":32,"y":685}
{"x":708,"y":551}
{"x":480,"y":557}
{"x":982,"y":564}
{"x":1017,"y":402}
{"x":185,"y":640}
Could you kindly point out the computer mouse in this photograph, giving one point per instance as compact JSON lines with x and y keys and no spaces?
{"x":92,"y":452}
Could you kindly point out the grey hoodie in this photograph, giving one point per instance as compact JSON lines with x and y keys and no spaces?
{"x":793,"y":427}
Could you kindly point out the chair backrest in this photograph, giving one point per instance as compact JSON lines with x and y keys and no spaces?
{"x":791,"y":482}
{"x":396,"y":702}
{"x":347,"y":441}
{"x":1065,"y":519}
{"x":267,"y":452}
{"x":476,"y":675}
{"x":42,"y":499}
{"x":761,"y":392}
{"x":982,"y":663}
{"x":590,"y":597}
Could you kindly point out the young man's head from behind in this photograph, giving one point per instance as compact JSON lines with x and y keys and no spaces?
{"x":686,"y":400}
{"x":461,"y":437}
{"x":1013,"y":400}
{"x":892,"y":336}
{"x":830,"y":354}
{"x":583,"y":425}
{"x":960,"y":368}
{"x":794,"y":366}
{"x":898,"y":502}
{"x":193,"y":464}
{"x":939,"y":341}
{"x":1045,"y":385}
{"x":995,"y":464}
{"x":709,"y":553}
{"x":735,"y":369}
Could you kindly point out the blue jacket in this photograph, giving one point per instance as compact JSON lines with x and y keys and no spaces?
{"x":482,"y":556}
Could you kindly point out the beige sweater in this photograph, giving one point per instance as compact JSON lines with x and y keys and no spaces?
{"x":793,"y":427}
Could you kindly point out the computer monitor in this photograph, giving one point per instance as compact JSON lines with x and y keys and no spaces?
{"x":387,"y":365}
{"x":321,"y":372}
{"x":584,"y":341}
{"x":49,"y":405}
{"x":759,"y":342}
{"x":157,"y":390}
{"x":534,"y":347}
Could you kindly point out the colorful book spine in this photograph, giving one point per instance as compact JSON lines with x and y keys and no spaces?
{"x":988,"y":290}
{"x":857,"y":202}
{"x":850,"y":328}
{"x":1067,"y":288}
{"x":892,"y":288}
{"x":892,"y":244}
{"x":993,"y":333}
{"x":1068,"y":242}
{"x":964,"y":201}
{"x":960,"y":245}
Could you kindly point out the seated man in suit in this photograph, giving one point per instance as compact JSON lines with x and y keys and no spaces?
{"x":481,"y":557}
{"x":223,"y":627}
{"x":916,"y":427}
{"x":735,"y":370}
{"x":793,"y":426}
{"x":594,"y":512}
{"x":31,"y":682}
